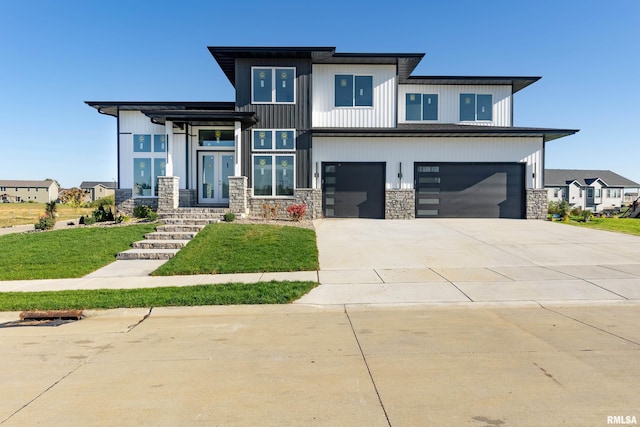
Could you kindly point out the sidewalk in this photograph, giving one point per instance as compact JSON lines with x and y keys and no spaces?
{"x":388,"y":286}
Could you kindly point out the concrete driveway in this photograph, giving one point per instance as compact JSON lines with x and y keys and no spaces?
{"x":462,"y":260}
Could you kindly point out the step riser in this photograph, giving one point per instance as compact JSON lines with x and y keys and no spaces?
{"x":159,"y":244}
{"x":180,"y":228}
{"x":187,"y":217}
{"x":198,"y":211}
{"x":180,"y":221}
{"x":146,"y":256}
{"x":170,"y":236}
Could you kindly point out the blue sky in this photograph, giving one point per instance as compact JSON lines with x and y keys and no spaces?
{"x":57,"y":54}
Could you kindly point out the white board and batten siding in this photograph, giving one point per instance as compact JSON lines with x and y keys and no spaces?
{"x":449,"y":102}
{"x":327,"y":115}
{"x":407,"y":151}
{"x":135,"y":123}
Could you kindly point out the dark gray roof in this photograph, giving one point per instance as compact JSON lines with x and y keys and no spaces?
{"x":91,"y":184}
{"x":517,"y":83}
{"x":585,"y":177}
{"x":226,"y":57}
{"x":449,"y":130}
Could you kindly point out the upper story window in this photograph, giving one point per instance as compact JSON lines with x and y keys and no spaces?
{"x":476,"y":107}
{"x":273,"y":85}
{"x":422,"y":106}
{"x":353,"y":91}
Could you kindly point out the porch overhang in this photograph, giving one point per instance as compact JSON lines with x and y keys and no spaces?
{"x":202,"y":117}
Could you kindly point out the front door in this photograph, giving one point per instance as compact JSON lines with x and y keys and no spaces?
{"x":214,"y":170}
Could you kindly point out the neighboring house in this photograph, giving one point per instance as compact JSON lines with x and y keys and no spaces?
{"x":348,"y":134}
{"x":98,"y":189}
{"x":15,"y":191}
{"x":593,"y":190}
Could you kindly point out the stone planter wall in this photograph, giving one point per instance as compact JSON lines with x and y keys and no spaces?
{"x":125,"y":202}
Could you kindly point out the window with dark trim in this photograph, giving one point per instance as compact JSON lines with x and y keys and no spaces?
{"x":353,"y":90}
{"x":273,"y":85}
{"x":273,"y":162}
{"x":146,"y":170}
{"x":421,"y":106}
{"x":476,"y":107}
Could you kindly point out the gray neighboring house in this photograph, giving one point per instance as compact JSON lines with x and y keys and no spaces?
{"x":16,"y":191}
{"x":98,"y":189}
{"x":593,"y":190}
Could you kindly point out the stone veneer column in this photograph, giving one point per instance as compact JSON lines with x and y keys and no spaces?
{"x":400,"y":204}
{"x":168,"y":193}
{"x":238,"y":195}
{"x":537,"y":203}
{"x":124,"y":200}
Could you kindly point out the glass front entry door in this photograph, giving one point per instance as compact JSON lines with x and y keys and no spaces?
{"x":214,"y":170}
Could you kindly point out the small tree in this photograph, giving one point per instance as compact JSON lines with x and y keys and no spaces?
{"x":73,"y":197}
{"x":50,"y":209}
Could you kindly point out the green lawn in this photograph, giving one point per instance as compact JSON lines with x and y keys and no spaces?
{"x":620,"y":225}
{"x":64,"y":253}
{"x":245,"y":248}
{"x":226,"y":294}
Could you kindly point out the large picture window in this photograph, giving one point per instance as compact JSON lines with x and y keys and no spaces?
{"x":273,"y":162}
{"x":353,"y":91}
{"x":148,"y":167}
{"x":273,"y":85}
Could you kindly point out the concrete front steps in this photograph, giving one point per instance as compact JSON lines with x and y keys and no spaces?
{"x":179,"y":227}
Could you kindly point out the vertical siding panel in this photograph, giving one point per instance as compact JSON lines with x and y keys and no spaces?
{"x":325,"y":114}
{"x":449,"y":102}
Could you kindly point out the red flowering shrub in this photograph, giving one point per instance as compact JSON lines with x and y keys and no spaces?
{"x":296,"y":212}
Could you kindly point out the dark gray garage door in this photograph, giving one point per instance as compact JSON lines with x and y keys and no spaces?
{"x":353,"y":190}
{"x":469,"y":190}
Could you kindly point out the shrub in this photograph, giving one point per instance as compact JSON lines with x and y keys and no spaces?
{"x":141,"y":211}
{"x":270,"y":212}
{"x":45,"y":223}
{"x":576,"y":211}
{"x":122,"y":217}
{"x":102,"y":215}
{"x":296,"y":212}
{"x":229,"y":217}
{"x":144,"y":211}
{"x":104,"y":201}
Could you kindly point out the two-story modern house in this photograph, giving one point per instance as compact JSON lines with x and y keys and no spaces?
{"x":348,"y":134}
{"x":593,"y":190}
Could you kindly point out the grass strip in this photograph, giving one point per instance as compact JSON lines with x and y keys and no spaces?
{"x":619,"y":225}
{"x":65,"y":254}
{"x":245,"y":248}
{"x":274,"y":292}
